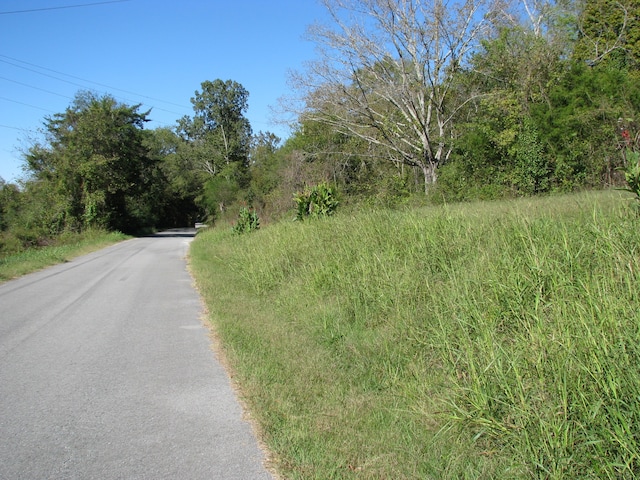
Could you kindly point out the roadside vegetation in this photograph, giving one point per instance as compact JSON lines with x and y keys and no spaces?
{"x":481,"y":340}
{"x":486,"y":101}
{"x":62,"y":249}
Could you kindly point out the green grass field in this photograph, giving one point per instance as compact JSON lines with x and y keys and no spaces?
{"x":64,"y":249}
{"x":486,"y":340}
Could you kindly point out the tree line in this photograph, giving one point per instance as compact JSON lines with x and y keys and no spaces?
{"x":440,"y":99}
{"x":476,"y":98}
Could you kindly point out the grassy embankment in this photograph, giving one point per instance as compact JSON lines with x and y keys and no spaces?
{"x":61,"y":250}
{"x":489,"y":340}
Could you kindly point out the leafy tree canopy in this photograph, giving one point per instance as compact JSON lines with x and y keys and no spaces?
{"x":218,"y":133}
{"x":94,"y":161}
{"x":609,"y":33}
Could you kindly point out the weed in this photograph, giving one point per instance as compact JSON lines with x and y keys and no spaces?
{"x":318,"y":201}
{"x":248,"y":221}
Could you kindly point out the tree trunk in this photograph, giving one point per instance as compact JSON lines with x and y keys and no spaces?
{"x":430,"y":175}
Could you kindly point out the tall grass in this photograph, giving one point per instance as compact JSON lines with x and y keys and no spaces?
{"x":492,"y":340}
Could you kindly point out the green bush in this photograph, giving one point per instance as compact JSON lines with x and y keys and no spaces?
{"x":632,"y":175}
{"x":457,"y":183}
{"x":317,"y":201}
{"x":9,"y":243}
{"x":248,"y":221}
{"x":218,"y":194}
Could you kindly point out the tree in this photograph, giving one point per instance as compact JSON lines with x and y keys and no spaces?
{"x":94,"y":160}
{"x":263,"y":145}
{"x":9,"y":203}
{"x":581,"y":121}
{"x":609,"y":31}
{"x":264,"y":167}
{"x":177,"y":183}
{"x":387,"y":74}
{"x":499,"y":150}
{"x":217,"y":142}
{"x":219,"y":135}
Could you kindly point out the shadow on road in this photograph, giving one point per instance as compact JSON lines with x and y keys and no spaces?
{"x":174,"y":232}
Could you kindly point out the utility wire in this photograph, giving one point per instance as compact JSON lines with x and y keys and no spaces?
{"x":14,"y":128}
{"x":26,"y":104}
{"x":77,"y":84}
{"x":82,"y":80}
{"x":35,"y":88}
{"x":41,"y":73}
{"x":61,"y":7}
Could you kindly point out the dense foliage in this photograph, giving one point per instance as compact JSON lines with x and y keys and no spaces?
{"x":94,"y":165}
{"x":535,"y":106}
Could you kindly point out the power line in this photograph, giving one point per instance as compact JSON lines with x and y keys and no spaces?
{"x":78,"y":84}
{"x":41,"y":73}
{"x":26,"y":104}
{"x":62,"y":7}
{"x":35,"y":88}
{"x":82,"y":80}
{"x":14,"y":128}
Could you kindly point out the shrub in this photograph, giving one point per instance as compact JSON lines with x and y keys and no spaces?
{"x":318,"y":201}
{"x":248,"y":221}
{"x":10,"y":243}
{"x":632,"y":175}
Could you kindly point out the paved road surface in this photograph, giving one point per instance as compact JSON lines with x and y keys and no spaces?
{"x":106,"y":372}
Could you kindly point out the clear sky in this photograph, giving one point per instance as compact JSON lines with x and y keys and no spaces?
{"x":155,"y":52}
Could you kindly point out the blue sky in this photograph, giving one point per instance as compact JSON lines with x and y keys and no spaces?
{"x":155,"y":52}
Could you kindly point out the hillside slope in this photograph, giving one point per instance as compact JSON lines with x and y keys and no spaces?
{"x":488,"y":340}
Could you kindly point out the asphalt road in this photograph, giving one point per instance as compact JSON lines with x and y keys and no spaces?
{"x":106,"y":372}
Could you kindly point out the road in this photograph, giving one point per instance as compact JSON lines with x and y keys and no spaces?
{"x":107,"y":372}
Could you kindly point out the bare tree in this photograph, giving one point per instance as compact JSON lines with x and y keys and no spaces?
{"x":386,"y":74}
{"x":532,"y":14}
